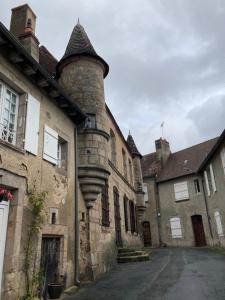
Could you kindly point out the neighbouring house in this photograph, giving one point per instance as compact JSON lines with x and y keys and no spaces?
{"x":212,"y":170}
{"x":58,"y":135}
{"x":177,"y":210}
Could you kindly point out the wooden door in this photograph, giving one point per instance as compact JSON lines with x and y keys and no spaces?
{"x":198,"y":229}
{"x":50,"y":258}
{"x":117,"y":218}
{"x":4,"y":212}
{"x":147,"y":234}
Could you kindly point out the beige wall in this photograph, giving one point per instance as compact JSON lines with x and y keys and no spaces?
{"x":19,"y":166}
{"x":216,"y":201}
{"x":169,"y":208}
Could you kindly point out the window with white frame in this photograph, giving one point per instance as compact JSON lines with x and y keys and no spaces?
{"x":8,"y":113}
{"x":218,"y":223}
{"x":145,"y":190}
{"x":210,"y":180}
{"x":181,"y":191}
{"x":222,"y":154}
{"x":176,"y":230}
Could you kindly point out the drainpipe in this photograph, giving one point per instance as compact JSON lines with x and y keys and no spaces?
{"x":207,"y":210}
{"x":77,"y":223}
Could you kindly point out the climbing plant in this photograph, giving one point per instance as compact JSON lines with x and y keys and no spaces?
{"x":33,"y":275}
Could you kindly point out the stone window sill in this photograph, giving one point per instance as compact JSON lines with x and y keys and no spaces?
{"x":11,"y":146}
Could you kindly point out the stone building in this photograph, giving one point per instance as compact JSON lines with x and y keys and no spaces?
{"x":180,"y":188}
{"x":57,"y":134}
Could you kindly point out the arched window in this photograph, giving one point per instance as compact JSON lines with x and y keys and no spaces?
{"x":124,"y":163}
{"x":113,"y":147}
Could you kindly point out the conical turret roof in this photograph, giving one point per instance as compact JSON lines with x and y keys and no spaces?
{"x":132,"y":146}
{"x":79,"y":44}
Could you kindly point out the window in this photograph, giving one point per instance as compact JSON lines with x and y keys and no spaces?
{"x":222,"y":154}
{"x":125,"y":202}
{"x":131,"y":171}
{"x":113,"y":147}
{"x":145,"y":190}
{"x":105,"y":205}
{"x":181,"y":191}
{"x":175,"y":228}
{"x":210,"y":180}
{"x":124,"y":163}
{"x":133,"y":224}
{"x":90,"y":121}
{"x":218,"y":223}
{"x":197,"y":186}
{"x":8,"y":114}
{"x":62,"y":153}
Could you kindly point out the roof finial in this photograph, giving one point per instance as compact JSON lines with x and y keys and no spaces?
{"x":78,"y":21}
{"x":129,"y":131}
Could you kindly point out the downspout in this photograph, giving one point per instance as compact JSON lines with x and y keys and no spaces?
{"x":77,"y":223}
{"x":207,"y":211}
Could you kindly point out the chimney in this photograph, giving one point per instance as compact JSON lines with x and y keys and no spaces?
{"x":22,"y":26}
{"x":162,"y":150}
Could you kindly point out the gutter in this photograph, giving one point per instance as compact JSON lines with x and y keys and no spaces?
{"x":77,"y":223}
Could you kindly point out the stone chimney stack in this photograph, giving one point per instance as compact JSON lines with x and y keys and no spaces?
{"x":162,"y":150}
{"x":22,"y":26}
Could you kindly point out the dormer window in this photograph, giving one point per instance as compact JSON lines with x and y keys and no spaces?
{"x":8,"y":113}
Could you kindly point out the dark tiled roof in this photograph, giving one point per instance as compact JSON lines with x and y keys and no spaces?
{"x":47,"y":60}
{"x":150,"y":165}
{"x":132,"y":146}
{"x":79,"y":44}
{"x":186,"y":161}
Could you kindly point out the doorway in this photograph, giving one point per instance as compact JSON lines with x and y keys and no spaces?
{"x":147,"y":234}
{"x":117,"y":217}
{"x":50,"y":260}
{"x":4,"y":212}
{"x":198,"y":229}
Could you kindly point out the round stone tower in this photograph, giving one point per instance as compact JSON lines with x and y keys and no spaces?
{"x":81,"y":73}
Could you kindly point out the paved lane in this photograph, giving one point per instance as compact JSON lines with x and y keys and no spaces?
{"x":171,"y":274}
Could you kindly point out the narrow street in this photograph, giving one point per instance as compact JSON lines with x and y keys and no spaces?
{"x":171,"y":274}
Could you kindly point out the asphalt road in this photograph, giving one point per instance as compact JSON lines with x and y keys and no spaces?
{"x":171,"y":274}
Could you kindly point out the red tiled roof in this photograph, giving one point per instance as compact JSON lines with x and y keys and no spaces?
{"x":150,"y":165}
{"x":186,"y":161}
{"x":47,"y":60}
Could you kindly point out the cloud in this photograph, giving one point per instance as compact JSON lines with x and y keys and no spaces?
{"x":166,"y":58}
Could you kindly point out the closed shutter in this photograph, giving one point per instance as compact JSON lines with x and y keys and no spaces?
{"x":222,"y":154}
{"x":218,"y":223}
{"x":176,"y":228}
{"x":212,"y":178}
{"x":207,"y":183}
{"x":32,"y":125}
{"x":50,"y":151}
{"x":181,"y":191}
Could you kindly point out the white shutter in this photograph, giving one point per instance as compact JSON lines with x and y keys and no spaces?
{"x":145,"y":190}
{"x":181,"y":191}
{"x":4,"y":211}
{"x":212,"y":178}
{"x":50,"y":152}
{"x":222,"y":154}
{"x":207,"y":183}
{"x":218,"y":223}
{"x":176,"y":228}
{"x":32,"y":125}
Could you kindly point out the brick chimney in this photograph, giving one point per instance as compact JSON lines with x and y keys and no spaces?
{"x":22,"y":26}
{"x":162,"y":150}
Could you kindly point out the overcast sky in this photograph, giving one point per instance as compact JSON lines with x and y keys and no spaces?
{"x":166,"y":58}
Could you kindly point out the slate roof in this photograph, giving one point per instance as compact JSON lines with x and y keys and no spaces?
{"x":79,"y":44}
{"x":132,"y":146}
{"x":150,"y":165}
{"x":47,"y":60}
{"x":186,"y":161}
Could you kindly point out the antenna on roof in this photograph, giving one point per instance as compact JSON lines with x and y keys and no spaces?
{"x":162,"y":127}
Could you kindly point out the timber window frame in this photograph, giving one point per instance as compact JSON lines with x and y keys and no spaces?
{"x":176,"y":230}
{"x":181,"y":191}
{"x":210,"y":180}
{"x":105,"y":205}
{"x":9,"y":104}
{"x":197,"y":186}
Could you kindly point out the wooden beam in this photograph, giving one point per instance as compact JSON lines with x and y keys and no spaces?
{"x":14,"y":57}
{"x":54,"y":94}
{"x":2,"y":41}
{"x":28,"y":70}
{"x":42,"y":82}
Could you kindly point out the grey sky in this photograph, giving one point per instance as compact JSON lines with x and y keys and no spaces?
{"x":166,"y":58}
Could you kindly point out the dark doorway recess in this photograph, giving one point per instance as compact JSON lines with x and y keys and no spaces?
{"x":147,"y":234}
{"x":50,"y":259}
{"x":198,"y":229}
{"x":117,"y":217}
